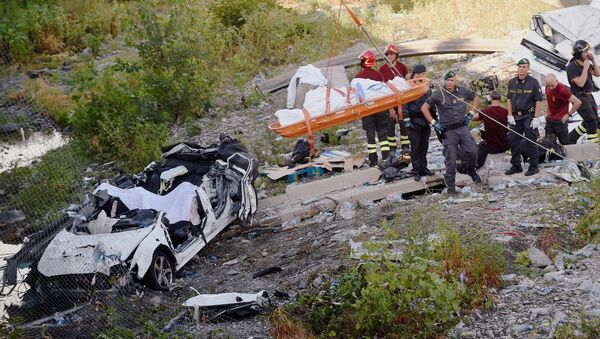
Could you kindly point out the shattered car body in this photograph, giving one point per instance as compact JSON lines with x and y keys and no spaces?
{"x":548,"y":45}
{"x":145,"y":226}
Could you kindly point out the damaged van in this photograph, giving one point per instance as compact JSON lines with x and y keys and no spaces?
{"x":145,"y":226}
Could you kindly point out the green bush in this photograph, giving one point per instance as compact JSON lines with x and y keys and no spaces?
{"x":177,"y":61}
{"x":419,"y":296}
{"x":233,"y":13}
{"x":116,"y":119}
{"x":50,"y":27}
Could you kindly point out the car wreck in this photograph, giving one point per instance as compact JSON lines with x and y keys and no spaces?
{"x":142,"y":227}
{"x":548,"y":44}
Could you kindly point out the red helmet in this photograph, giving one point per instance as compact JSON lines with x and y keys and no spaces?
{"x":392,"y":48}
{"x":367,"y":59}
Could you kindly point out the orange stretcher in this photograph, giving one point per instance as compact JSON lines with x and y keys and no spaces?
{"x":351,"y":113}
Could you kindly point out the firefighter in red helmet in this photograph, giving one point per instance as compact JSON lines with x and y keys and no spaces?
{"x":389,"y":73}
{"x":375,"y":124}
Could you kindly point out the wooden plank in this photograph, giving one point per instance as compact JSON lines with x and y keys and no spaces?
{"x":407,"y":49}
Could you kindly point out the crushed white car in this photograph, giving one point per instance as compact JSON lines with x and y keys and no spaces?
{"x":145,"y":226}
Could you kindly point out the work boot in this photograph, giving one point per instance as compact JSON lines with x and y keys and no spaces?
{"x":417,"y":176}
{"x":476,"y":178}
{"x":427,"y":172}
{"x":452,"y":191}
{"x":532,"y":170}
{"x":373,"y":159}
{"x":513,"y":170}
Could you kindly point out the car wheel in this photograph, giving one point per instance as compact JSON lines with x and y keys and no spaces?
{"x":161,"y":273}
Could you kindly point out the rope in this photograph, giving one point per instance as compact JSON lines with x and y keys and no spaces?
{"x":442,"y":88}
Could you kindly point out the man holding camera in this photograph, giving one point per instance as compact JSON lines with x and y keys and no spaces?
{"x":524,"y":108}
{"x":579,"y":72}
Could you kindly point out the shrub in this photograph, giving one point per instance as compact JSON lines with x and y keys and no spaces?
{"x":54,"y":26}
{"x":419,"y":295}
{"x":117,"y":119}
{"x":233,"y":13}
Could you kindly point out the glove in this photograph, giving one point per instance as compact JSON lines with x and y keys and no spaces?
{"x":535,"y":123}
{"x":468,"y":117}
{"x":408,"y":123}
{"x":511,"y":120}
{"x":437,"y":125}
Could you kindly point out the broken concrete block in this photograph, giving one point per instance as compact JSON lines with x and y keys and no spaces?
{"x":346,"y":211}
{"x":538,"y":258}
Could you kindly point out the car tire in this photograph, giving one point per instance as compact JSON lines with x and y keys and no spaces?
{"x":161,"y":273}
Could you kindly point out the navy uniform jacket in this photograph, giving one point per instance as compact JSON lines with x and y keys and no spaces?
{"x":450,"y":110}
{"x":523,"y":95}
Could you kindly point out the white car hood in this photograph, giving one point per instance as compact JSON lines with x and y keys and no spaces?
{"x":69,"y":253}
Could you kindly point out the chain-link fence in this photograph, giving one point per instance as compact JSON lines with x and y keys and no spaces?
{"x":62,"y":278}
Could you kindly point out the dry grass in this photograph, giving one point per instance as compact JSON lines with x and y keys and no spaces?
{"x":283,"y":326}
{"x":435,"y":19}
{"x":50,"y":100}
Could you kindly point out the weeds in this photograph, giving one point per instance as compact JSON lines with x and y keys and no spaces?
{"x":51,"y":100}
{"x":420,"y":295}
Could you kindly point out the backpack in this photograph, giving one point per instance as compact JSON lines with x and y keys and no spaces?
{"x":300,"y":153}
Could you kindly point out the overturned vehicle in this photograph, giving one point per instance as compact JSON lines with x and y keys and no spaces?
{"x":549,"y":43}
{"x":143,"y":227}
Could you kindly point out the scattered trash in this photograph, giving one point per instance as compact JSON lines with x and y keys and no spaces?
{"x":231,"y":262}
{"x":267,"y":271}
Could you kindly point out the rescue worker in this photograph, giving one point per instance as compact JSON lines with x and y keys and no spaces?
{"x":399,"y":69}
{"x":524,"y":104}
{"x":453,"y":127}
{"x":579,"y":72}
{"x":558,"y":98}
{"x":495,"y":139}
{"x":375,"y":124}
{"x":418,"y":128}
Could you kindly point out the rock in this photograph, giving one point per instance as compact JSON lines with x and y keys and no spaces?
{"x":587,"y":251}
{"x":559,"y":262}
{"x":11,"y":217}
{"x":9,"y":129}
{"x":535,"y":312}
{"x":155,"y":301}
{"x":366,"y":204}
{"x":590,"y":286}
{"x":89,"y":170}
{"x":559,"y":318}
{"x":538,"y":258}
{"x":522,"y":328}
{"x":554,"y":276}
{"x":549,"y":268}
{"x":317,"y":282}
{"x":101,"y":67}
{"x":233,"y":272}
{"x":346,"y":211}
{"x":509,"y":277}
{"x":87,"y":53}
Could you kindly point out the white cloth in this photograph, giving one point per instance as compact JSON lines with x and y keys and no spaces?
{"x":315,"y":101}
{"x":308,"y":74}
{"x":102,"y":224}
{"x":176,"y":204}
